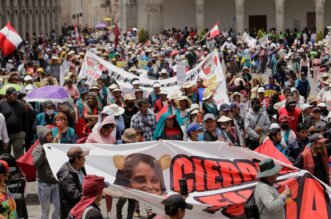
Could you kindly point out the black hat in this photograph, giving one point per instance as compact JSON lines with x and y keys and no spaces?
{"x":175,"y":201}
{"x":10,"y":91}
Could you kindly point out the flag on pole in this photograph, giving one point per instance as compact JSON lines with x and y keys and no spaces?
{"x":79,"y":40}
{"x":214,"y":32}
{"x":117,"y":32}
{"x":9,"y":39}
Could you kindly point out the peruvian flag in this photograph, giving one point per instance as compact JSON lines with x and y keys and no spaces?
{"x":214,"y":32}
{"x":117,"y":33}
{"x":78,"y":38}
{"x":9,"y":39}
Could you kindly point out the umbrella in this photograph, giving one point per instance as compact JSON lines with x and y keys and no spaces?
{"x":107,"y":19}
{"x":101,"y":25}
{"x":53,"y":93}
{"x":6,"y":86}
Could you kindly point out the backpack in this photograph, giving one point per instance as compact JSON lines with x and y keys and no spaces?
{"x":250,"y":207}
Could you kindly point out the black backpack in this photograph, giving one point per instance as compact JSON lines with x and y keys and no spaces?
{"x":250,"y":207}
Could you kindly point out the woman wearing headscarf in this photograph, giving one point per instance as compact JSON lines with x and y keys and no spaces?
{"x":167,"y":128}
{"x":103,"y":134}
{"x":88,"y":206}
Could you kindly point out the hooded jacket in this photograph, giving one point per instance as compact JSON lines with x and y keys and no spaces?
{"x":159,"y":132}
{"x":96,"y":137}
{"x":44,"y":172}
{"x":253,"y":120}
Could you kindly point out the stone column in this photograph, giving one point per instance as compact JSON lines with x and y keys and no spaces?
{"x":319,"y":4}
{"x":115,"y":8}
{"x":279,"y":15}
{"x":200,"y":15}
{"x":131,"y":11}
{"x":240,"y":16}
{"x":154,"y":10}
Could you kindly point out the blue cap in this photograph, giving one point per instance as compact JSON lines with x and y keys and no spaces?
{"x":84,"y":91}
{"x":192,"y":128}
{"x":224,"y":107}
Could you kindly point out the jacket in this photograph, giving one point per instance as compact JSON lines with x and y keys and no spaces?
{"x":254,"y":119}
{"x":269,"y":202}
{"x":44,"y":172}
{"x":309,"y":164}
{"x":70,"y":188}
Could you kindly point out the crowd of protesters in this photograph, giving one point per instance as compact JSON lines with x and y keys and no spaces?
{"x":281,"y":108}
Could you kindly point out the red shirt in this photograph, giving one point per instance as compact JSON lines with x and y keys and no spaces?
{"x":294,"y":117}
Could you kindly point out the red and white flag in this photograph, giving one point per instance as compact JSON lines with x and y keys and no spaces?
{"x":9,"y":39}
{"x":214,"y":32}
{"x":78,"y":38}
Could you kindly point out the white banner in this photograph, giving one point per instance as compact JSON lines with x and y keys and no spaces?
{"x":219,"y":177}
{"x":210,"y":70}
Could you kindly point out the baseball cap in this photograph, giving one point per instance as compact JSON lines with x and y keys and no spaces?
{"x":175,"y":201}
{"x":316,"y":109}
{"x":317,"y":138}
{"x":306,"y":106}
{"x":261,"y":90}
{"x":224,"y":107}
{"x":193,"y":127}
{"x":208,"y":116}
{"x":274,"y":126}
{"x":10,"y":91}
{"x":74,"y":152}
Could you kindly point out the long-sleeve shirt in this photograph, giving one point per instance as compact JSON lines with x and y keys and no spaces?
{"x":269,"y":202}
{"x":16,"y":116}
{"x":3,"y":130}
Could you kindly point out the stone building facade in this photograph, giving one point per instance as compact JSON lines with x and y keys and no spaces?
{"x":155,"y":15}
{"x":31,"y":16}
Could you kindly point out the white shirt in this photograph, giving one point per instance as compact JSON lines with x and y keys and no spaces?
{"x":3,"y":130}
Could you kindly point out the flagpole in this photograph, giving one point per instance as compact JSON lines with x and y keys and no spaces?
{"x":204,"y":37}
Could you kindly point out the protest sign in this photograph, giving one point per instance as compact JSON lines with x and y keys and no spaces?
{"x":180,"y":73}
{"x":219,"y":177}
{"x":210,"y":70}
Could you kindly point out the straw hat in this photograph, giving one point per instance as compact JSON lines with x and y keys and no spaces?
{"x":224,"y":119}
{"x":188,"y":85}
{"x":235,"y":94}
{"x":207,"y":94}
{"x":113,"y":86}
{"x":237,"y":81}
{"x":129,"y":135}
{"x":128,"y":97}
{"x":189,"y":102}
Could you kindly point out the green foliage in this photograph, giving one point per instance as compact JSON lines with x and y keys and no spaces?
{"x":143,"y":35}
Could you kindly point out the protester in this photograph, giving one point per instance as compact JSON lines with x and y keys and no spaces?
{"x":48,"y":187}
{"x":62,"y":133}
{"x":269,"y":202}
{"x":8,"y":204}
{"x":315,"y":158}
{"x":71,"y":178}
{"x":103,"y":135}
{"x":88,"y":206}
{"x":175,"y":207}
{"x":16,"y":184}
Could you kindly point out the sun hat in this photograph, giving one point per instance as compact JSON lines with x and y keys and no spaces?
{"x":128,"y":97}
{"x":181,"y":98}
{"x":235,"y":94}
{"x":306,"y":106}
{"x":321,"y":104}
{"x":188,"y":85}
{"x":207,"y":94}
{"x":116,"y":90}
{"x":155,"y":85}
{"x":116,"y":110}
{"x":135,"y":82}
{"x":129,"y":135}
{"x":163,"y":92}
{"x":224,"y":119}
{"x":28,"y":78}
{"x":163,"y":71}
{"x":268,"y":168}
{"x":194,"y":106}
{"x":113,"y":86}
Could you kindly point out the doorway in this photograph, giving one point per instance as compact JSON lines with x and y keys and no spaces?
{"x":257,"y":22}
{"x":311,"y":20}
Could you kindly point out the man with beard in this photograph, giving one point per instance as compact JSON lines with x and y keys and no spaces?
{"x":315,"y":158}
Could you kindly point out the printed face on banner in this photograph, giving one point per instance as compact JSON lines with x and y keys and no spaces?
{"x":140,"y":171}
